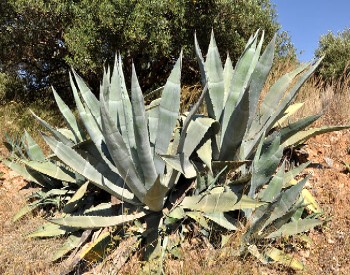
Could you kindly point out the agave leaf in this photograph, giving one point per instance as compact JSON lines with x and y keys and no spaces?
{"x":291,"y":110}
{"x":246,"y":202}
{"x":115,"y":104}
{"x":103,"y":209}
{"x":281,"y":221}
{"x":264,"y":167}
{"x":50,"y":169}
{"x":196,"y":132}
{"x":215,"y":202}
{"x":105,"y":87}
{"x":285,"y":259}
{"x":256,"y":57}
{"x":261,"y":215}
{"x":225,"y":239}
{"x":204,"y":79}
{"x":287,"y":99}
{"x":205,"y":154}
{"x":253,"y":249}
{"x":275,"y":185}
{"x":20,"y":170}
{"x":290,"y":175}
{"x":154,"y":197}
{"x":31,"y":175}
{"x":25,"y":210}
{"x":228,"y":74}
{"x":296,"y":227}
{"x":96,"y":249}
{"x":259,"y":77}
{"x":180,"y":163}
{"x":33,"y":149}
{"x":219,"y":200}
{"x":223,"y":220}
{"x":88,"y":97}
{"x":67,"y":133}
{"x":71,"y":243}
{"x":90,"y":252}
{"x":168,"y":113}
{"x":54,"y":132}
{"x":69,"y":118}
{"x":238,"y":86}
{"x":119,"y":105}
{"x":231,"y":165}
{"x":288,"y":198}
{"x":126,"y":248}
{"x":296,"y":127}
{"x":233,"y":132}
{"x":129,"y":125}
{"x":178,"y":213}
{"x":207,"y":182}
{"x":153,"y":119}
{"x":302,"y":136}
{"x":274,"y":96}
{"x":90,"y":222}
{"x":50,"y":230}
{"x":57,"y":192}
{"x":120,"y":155}
{"x":214,"y":73}
{"x":310,"y":201}
{"x":190,"y":118}
{"x":73,"y":203}
{"x":141,"y":132}
{"x":199,"y":218}
{"x":268,"y":119}
{"x":83,"y":167}
{"x":90,"y":123}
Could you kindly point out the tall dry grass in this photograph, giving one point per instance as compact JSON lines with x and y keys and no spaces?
{"x":331,"y":98}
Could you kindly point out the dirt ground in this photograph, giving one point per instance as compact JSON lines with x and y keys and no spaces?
{"x":329,"y":254}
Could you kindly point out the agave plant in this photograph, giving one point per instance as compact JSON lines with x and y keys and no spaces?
{"x":233,"y":100}
{"x":140,"y":153}
{"x":145,"y":156}
{"x":57,"y":183}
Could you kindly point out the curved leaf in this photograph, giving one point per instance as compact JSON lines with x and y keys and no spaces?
{"x":90,"y":222}
{"x":168,"y":114}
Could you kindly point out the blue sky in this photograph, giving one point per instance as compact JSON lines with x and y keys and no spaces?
{"x":307,"y":20}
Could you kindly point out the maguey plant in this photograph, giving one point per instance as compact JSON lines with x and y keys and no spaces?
{"x":134,"y":175}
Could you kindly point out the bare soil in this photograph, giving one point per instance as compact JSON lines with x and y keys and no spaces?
{"x":330,"y":184}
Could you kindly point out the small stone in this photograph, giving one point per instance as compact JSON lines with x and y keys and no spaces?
{"x":330,"y":241}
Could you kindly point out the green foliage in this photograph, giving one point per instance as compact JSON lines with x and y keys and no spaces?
{"x":336,"y":49}
{"x":11,"y":88}
{"x":43,"y":38}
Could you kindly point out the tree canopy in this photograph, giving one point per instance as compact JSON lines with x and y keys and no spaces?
{"x":42,"y":39}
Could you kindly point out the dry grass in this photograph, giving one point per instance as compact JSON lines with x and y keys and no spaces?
{"x":332,"y":99}
{"x":18,"y":254}
{"x":16,"y":117}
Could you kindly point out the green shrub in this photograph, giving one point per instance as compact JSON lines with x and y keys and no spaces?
{"x":336,"y":49}
{"x":85,"y":34}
